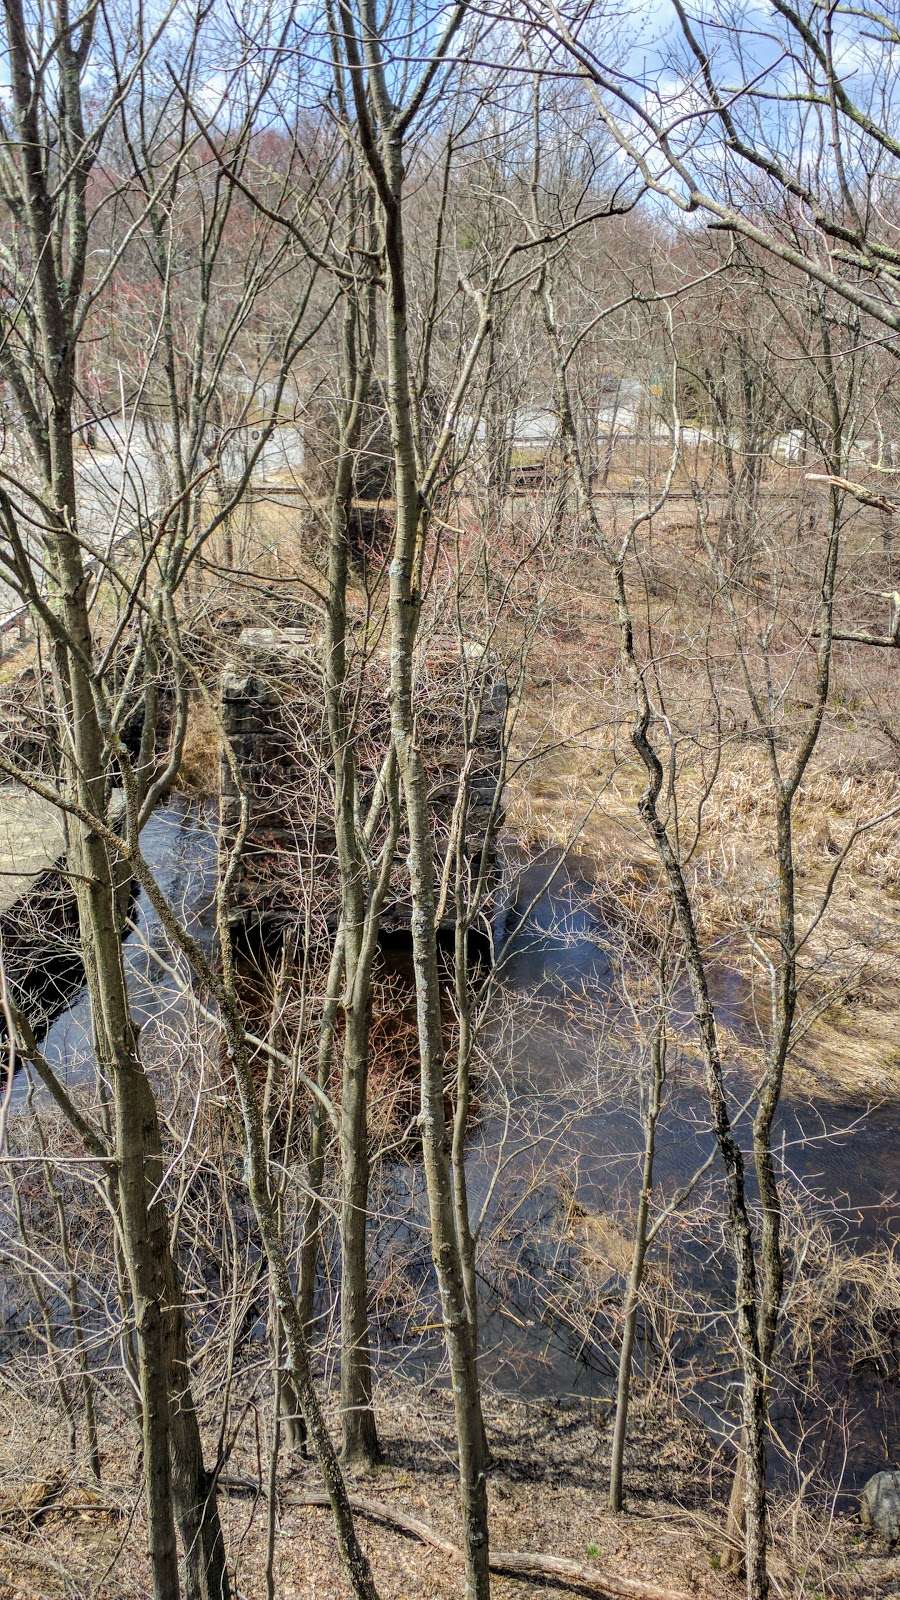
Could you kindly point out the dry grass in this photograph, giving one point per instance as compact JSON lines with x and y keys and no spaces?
{"x":580,"y":778}
{"x":604,"y":1246}
{"x":199,"y":770}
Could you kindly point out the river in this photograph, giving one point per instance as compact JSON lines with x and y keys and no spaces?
{"x":556,"y":1138}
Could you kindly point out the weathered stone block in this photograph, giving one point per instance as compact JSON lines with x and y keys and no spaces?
{"x":879,"y":1505}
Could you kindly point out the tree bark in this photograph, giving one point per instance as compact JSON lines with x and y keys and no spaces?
{"x":383,"y":151}
{"x":359,"y":919}
{"x":636,"y":1274}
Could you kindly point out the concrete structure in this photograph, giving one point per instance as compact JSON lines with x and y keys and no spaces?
{"x":38,"y":910}
{"x":274,"y":717}
{"x":32,"y":842}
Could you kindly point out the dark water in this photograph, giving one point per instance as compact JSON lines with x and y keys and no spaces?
{"x":180,"y":847}
{"x":837,"y":1165}
{"x":841,"y":1157}
{"x":559,"y":1124}
{"x":573,"y":1135}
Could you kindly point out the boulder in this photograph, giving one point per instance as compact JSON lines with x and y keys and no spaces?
{"x":879,"y":1505}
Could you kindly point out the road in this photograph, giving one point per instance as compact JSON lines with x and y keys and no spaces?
{"x":120,"y":485}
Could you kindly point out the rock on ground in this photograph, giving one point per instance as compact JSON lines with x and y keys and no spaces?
{"x":879,"y":1504}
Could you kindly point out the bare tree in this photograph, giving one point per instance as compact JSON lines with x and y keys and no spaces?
{"x":754,"y":179}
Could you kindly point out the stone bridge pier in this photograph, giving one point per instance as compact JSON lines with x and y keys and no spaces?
{"x":273,"y":713}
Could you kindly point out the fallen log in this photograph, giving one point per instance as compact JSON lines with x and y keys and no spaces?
{"x":525,"y":1564}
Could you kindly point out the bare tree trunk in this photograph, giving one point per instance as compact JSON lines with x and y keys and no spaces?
{"x":151,"y":1270}
{"x":638,"y":1257}
{"x":89,"y":747}
{"x":146,"y":1244}
{"x":783,"y":969}
{"x":468,"y":892}
{"x":383,"y":150}
{"x":318,"y":1139}
{"x":737,"y":1213}
{"x":444,"y":1228}
{"x":353,"y":1556}
{"x":360,"y":1437}
{"x":194,"y":1489}
{"x":404,"y":614}
{"x":464,"y":1237}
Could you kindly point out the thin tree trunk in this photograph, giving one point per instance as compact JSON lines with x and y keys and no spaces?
{"x":753,"y":1396}
{"x":318,"y":1141}
{"x":196,"y":1505}
{"x":464,"y":913}
{"x":151,"y":1270}
{"x":352,"y":1554}
{"x":360,"y":1437}
{"x":636,"y":1274}
{"x":404,"y":612}
{"x":145,"y":1245}
{"x":385,"y":159}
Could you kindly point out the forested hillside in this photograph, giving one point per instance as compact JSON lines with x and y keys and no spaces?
{"x":449,"y":817}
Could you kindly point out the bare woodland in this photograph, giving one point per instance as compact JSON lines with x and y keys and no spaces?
{"x":449,"y":615}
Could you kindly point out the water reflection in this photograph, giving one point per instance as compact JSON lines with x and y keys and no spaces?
{"x":556,"y":1054}
{"x":179,"y":845}
{"x":558,"y":1134}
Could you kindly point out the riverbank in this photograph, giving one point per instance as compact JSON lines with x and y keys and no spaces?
{"x":61,"y":1535}
{"x":577,"y":780}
